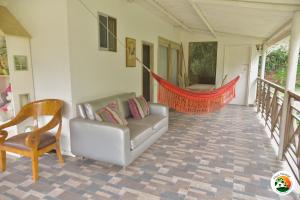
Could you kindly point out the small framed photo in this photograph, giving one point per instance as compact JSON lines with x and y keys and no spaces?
{"x":20,"y":62}
{"x":130,"y":52}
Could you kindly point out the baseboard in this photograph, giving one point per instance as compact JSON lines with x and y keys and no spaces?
{"x":67,"y":153}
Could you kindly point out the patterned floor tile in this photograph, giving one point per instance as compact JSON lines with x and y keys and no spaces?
{"x":221,"y":155}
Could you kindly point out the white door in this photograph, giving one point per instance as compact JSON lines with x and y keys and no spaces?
{"x":237,"y":62}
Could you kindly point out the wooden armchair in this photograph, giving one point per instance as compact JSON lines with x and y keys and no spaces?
{"x":37,"y":142}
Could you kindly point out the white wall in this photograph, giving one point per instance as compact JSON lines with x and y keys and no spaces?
{"x":64,"y":46}
{"x":224,"y":40}
{"x":46,"y":21}
{"x":100,"y":73}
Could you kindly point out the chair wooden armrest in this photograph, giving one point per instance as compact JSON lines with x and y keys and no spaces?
{"x":15,"y":121}
{"x":3,"y":136}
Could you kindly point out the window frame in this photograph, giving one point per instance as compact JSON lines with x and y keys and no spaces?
{"x":107,"y":48}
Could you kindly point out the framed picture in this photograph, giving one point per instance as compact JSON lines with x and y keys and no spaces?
{"x":202,"y":62}
{"x":3,"y":58}
{"x":20,"y":63}
{"x":130,"y":52}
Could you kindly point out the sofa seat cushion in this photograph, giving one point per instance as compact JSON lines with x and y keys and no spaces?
{"x":18,"y":141}
{"x":155,"y":121}
{"x":138,"y":134}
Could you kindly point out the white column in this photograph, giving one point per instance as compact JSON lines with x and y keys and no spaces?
{"x":291,"y":75}
{"x":263,"y":63}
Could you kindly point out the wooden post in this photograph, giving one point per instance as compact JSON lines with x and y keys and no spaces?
{"x":291,"y":78}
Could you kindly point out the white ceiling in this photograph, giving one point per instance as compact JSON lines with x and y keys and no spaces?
{"x":256,"y":18}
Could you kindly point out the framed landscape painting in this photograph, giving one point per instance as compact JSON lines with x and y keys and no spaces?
{"x":130,"y":52}
{"x":202,"y":62}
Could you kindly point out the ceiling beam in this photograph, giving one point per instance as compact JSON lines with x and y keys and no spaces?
{"x":156,"y":4}
{"x":254,"y":4}
{"x":221,"y":33}
{"x":203,"y":18}
{"x":282,"y":32}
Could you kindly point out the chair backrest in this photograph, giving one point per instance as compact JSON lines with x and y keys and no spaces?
{"x":42,"y":107}
{"x":46,"y":107}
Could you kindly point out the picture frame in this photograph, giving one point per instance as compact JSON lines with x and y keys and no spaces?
{"x":4,"y":71}
{"x":20,"y":62}
{"x":130,"y":52}
{"x":203,"y":62}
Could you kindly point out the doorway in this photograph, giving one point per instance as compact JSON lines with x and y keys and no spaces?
{"x":169,"y":60}
{"x":147,"y":55}
{"x":237,"y":62}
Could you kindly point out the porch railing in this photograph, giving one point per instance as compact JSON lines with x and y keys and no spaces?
{"x":269,"y":101}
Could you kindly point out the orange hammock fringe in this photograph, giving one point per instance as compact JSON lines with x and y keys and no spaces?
{"x":194,"y":102}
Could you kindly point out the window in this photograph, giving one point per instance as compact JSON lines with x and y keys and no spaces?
{"x":107,"y":33}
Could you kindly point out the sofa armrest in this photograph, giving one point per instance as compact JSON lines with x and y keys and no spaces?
{"x":159,"y":109}
{"x":100,"y":141}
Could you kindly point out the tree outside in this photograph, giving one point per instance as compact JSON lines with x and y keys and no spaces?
{"x":276,"y":67}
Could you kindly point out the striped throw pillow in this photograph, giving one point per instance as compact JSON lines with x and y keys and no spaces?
{"x":139,"y":108}
{"x":111,"y":114}
{"x":89,"y":111}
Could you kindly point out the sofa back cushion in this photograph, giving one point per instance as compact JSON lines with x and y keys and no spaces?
{"x":123,"y":104}
{"x":122,"y":99}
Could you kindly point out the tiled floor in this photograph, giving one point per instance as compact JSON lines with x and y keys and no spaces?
{"x":222,"y":155}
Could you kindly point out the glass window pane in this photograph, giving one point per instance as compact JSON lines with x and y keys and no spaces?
{"x":103,"y":31}
{"x":112,"y":27}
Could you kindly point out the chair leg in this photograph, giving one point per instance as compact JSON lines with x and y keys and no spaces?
{"x":2,"y":161}
{"x":35,"y":166}
{"x":58,"y":153}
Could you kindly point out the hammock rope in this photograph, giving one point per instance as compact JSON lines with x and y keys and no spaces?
{"x":180,"y":99}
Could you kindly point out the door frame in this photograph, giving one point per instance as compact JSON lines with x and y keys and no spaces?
{"x":248,"y":68}
{"x":151,"y":45}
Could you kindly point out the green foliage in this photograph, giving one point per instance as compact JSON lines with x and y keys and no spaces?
{"x":276,"y":67}
{"x":277,"y":60}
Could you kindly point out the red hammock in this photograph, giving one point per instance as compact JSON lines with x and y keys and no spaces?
{"x":194,"y":102}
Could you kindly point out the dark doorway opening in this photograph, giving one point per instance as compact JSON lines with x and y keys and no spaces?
{"x":146,"y":75}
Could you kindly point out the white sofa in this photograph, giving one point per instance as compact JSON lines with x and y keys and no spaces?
{"x":113,"y":143}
